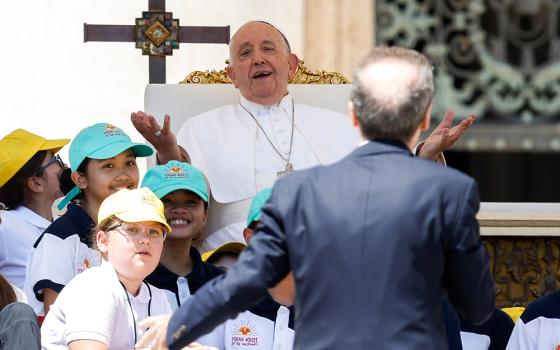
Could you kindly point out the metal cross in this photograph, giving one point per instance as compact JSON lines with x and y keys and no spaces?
{"x":157,"y":34}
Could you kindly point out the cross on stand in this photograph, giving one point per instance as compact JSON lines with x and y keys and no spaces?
{"x":157,"y":34}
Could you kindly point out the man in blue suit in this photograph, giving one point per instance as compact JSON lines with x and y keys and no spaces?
{"x":408,"y":225}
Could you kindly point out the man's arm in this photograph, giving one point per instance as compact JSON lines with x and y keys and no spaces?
{"x":260,"y":266}
{"x":467,"y":277}
{"x":162,"y":138}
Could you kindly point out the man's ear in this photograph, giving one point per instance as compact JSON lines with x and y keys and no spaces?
{"x":79,"y":179}
{"x":293,"y":61}
{"x":231,"y":74}
{"x":102,"y":239}
{"x":247,"y":234}
{"x":353,"y":116}
{"x":426,"y":120}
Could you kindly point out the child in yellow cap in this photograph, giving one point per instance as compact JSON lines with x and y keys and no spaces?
{"x":101,"y":307}
{"x":102,"y":161}
{"x":29,"y":169}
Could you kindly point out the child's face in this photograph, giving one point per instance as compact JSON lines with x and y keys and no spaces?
{"x":107,"y":176}
{"x":132,"y":248}
{"x":185,"y":213}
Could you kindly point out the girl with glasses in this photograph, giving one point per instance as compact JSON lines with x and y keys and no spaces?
{"x":100,"y":308}
{"x":29,"y":169}
{"x":102,"y":161}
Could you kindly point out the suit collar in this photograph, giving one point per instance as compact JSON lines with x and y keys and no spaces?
{"x":382,"y":146}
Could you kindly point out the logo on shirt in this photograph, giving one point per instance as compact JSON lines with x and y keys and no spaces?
{"x":85,"y":264}
{"x":245,"y":334}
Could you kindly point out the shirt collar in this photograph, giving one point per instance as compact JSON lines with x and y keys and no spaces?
{"x":79,"y":216}
{"x":32,"y":217}
{"x":199,"y":273}
{"x":255,"y":108}
{"x":144,"y":293}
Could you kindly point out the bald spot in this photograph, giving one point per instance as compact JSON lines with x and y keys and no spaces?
{"x":391,"y":81}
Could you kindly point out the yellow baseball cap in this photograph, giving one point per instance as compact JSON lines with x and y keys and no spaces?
{"x":136,"y":205}
{"x":18,"y":147}
{"x":230,"y":247}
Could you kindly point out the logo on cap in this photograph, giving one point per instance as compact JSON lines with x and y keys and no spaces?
{"x":148,"y":199}
{"x":111,"y":130}
{"x":175,"y":171}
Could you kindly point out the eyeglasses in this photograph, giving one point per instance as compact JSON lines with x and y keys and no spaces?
{"x":55,"y":159}
{"x":135,"y":231}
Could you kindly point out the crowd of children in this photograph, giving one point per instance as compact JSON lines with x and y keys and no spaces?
{"x":119,"y":253}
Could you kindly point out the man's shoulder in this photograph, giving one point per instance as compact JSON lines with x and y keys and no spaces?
{"x":437,"y":170}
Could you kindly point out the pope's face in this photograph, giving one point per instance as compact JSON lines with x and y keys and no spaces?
{"x":260,"y":64}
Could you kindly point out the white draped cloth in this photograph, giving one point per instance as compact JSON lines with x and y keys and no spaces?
{"x":238,"y":160}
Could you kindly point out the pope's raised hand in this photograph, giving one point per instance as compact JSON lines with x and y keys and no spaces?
{"x":444,"y":136}
{"x":162,"y":138}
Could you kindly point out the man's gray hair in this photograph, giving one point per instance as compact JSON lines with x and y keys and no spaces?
{"x":392,"y":90}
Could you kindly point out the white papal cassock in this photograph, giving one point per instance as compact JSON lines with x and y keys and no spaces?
{"x":239,"y":159}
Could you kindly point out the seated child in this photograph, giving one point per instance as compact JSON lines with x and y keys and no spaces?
{"x":101,"y":307}
{"x":269,"y":325}
{"x":181,"y":271}
{"x":102,"y":161}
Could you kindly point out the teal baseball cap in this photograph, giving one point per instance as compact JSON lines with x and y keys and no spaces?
{"x":173,"y":176}
{"x":256,"y":205}
{"x":100,"y":141}
{"x":103,"y":141}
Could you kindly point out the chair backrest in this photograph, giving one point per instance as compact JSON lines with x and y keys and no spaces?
{"x":182,"y":101}
{"x":203,"y":91}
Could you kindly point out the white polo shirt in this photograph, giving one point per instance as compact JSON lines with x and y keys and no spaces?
{"x":19,"y":230}
{"x":94,"y":306}
{"x":61,"y":252}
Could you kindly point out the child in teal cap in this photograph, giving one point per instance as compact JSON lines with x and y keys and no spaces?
{"x":102,"y":161}
{"x":182,"y":189}
{"x":269,"y":324}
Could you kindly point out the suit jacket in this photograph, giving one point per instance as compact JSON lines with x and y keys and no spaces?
{"x":374,"y":242}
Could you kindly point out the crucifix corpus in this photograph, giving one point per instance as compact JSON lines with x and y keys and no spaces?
{"x":157,"y":33}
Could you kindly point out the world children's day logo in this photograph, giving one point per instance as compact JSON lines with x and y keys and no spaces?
{"x":175,"y":171}
{"x":111,"y":130}
{"x":245,"y":334}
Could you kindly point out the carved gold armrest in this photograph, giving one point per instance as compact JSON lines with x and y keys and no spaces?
{"x":303,"y":76}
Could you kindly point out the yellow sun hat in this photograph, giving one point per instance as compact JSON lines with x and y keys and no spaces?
{"x":18,"y":147}
{"x":230,"y":247}
{"x":136,"y":205}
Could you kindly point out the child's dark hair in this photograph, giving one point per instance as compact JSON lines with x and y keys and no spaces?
{"x":11,"y":194}
{"x":66,"y":183}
